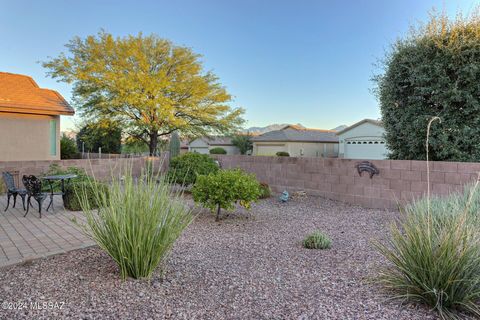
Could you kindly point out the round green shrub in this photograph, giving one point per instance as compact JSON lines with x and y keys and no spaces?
{"x":265,"y":191}
{"x":225,"y":188}
{"x":317,"y":240}
{"x":185,"y":168}
{"x":282,"y":154}
{"x":73,"y":191}
{"x":218,"y":150}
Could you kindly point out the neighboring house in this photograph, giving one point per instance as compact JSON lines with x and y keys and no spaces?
{"x":363,"y":140}
{"x":183,"y":146}
{"x":205,"y":144}
{"x":297,"y":141}
{"x":29,"y":119}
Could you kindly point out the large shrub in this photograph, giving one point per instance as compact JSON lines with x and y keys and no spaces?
{"x":433,"y":72}
{"x":102,"y":134}
{"x":137,"y":222}
{"x":73,"y":186}
{"x":282,"y":154}
{"x":73,"y":191}
{"x":434,"y":254}
{"x":223,"y":189}
{"x":68,"y":148}
{"x":218,"y":150}
{"x":243,"y":142}
{"x":185,"y":168}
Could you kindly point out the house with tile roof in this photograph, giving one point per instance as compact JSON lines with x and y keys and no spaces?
{"x":29,"y":119}
{"x":205,"y":144}
{"x":363,"y":140}
{"x":298,"y":142}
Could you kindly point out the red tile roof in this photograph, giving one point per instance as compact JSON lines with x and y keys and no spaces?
{"x":21,"y":94}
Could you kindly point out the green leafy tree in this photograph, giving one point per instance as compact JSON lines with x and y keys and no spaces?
{"x":148,"y":84}
{"x":243,"y":143}
{"x":185,"y":168}
{"x":223,"y":189}
{"x":434,"y":71}
{"x":105,"y":135}
{"x":68,"y":148}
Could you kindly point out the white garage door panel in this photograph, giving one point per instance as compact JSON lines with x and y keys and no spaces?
{"x":365,"y":151}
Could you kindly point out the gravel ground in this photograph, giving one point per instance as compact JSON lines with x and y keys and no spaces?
{"x":239,"y":268}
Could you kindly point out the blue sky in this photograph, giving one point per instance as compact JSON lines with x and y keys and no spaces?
{"x":307,"y":62}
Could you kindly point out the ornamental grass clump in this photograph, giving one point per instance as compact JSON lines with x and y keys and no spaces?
{"x":434,"y":254}
{"x":137,"y":222}
{"x":317,"y":240}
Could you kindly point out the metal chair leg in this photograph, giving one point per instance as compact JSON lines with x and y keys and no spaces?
{"x":40,"y":201}
{"x":50,"y":204}
{"x":14,"y":199}
{"x":28,"y":205}
{"x":8,"y":200}
{"x":23,"y":201}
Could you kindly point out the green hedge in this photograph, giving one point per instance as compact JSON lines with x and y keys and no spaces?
{"x":185,"y":168}
{"x":74,"y":191}
{"x":218,"y":150}
{"x":282,"y":154}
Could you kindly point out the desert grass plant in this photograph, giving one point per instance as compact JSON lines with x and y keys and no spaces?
{"x":137,"y":223}
{"x":434,"y":253}
{"x":317,"y":240}
{"x":437,"y":264}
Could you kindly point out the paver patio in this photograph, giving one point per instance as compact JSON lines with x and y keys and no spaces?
{"x":25,"y":238}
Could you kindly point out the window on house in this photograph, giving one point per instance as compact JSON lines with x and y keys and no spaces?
{"x":53,"y":137}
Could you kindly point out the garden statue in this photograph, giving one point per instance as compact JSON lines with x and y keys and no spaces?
{"x":284,"y":196}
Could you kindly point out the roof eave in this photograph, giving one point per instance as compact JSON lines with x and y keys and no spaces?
{"x":65,"y":112}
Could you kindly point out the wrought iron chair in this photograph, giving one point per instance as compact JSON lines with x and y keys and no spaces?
{"x":34,"y":190}
{"x":12,"y":190}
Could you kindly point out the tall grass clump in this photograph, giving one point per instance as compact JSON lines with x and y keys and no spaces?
{"x":434,"y":254}
{"x":137,"y":222}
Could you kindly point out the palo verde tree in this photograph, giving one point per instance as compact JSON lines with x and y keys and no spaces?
{"x":148,"y":84}
{"x":434,"y":71}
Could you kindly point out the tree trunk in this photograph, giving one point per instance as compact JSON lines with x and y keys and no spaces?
{"x":217,"y":218}
{"x":153,"y":144}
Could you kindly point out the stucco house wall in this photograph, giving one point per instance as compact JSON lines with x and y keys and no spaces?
{"x":198,"y":145}
{"x":363,"y":140}
{"x":202,"y":145}
{"x":29,"y":137}
{"x":29,"y":119}
{"x":296,"y":149}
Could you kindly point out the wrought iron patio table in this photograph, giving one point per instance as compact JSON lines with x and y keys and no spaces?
{"x":62,"y":178}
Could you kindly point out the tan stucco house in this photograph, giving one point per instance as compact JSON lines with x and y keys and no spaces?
{"x":29,"y":119}
{"x":205,"y":144}
{"x":298,"y":142}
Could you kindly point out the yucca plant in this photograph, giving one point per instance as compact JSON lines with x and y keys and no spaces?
{"x":137,"y":222}
{"x":435,"y":255}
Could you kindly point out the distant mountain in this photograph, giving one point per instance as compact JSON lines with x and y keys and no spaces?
{"x":340,"y":127}
{"x":272,"y":127}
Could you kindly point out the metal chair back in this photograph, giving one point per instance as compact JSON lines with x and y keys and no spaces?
{"x":32,"y":184}
{"x":9,"y":181}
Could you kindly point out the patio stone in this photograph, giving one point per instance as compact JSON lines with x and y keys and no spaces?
{"x":25,"y":238}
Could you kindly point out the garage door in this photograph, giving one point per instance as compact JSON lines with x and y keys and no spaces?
{"x":269,"y":150}
{"x":365,"y":150}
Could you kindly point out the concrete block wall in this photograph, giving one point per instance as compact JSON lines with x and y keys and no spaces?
{"x":399,"y":181}
{"x":101,"y":169}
